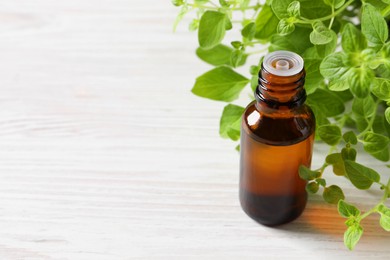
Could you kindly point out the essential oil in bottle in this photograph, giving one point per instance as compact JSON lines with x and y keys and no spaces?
{"x":277,"y":136}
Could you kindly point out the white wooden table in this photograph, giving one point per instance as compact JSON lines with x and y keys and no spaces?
{"x":105,"y":153}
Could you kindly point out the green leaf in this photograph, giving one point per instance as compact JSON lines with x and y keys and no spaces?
{"x":313,"y":79}
{"x":348,"y":153}
{"x":333,"y":67}
{"x":266,"y":23}
{"x":352,"y":39}
{"x":385,"y":217}
{"x":236,"y":58}
{"x":211,"y":29}
{"x":312,"y":187}
{"x":249,"y":31}
{"x":218,"y":55}
{"x":361,"y":176}
{"x":329,"y":48}
{"x":330,"y":134}
{"x":309,"y":9}
{"x":177,"y":2}
{"x":337,"y":162}
{"x":230,"y":124}
{"x":333,"y":194}
{"x":326,"y":102}
{"x":307,"y":174}
{"x":352,"y":235}
{"x":347,"y":210}
{"x":364,"y":107}
{"x":350,"y":137}
{"x":381,"y":88}
{"x":321,"y":34}
{"x":374,"y":26}
{"x":387,"y":114}
{"x":221,"y":83}
{"x":360,"y":80}
{"x":293,"y":9}
{"x":285,"y":27}
{"x":321,"y":182}
{"x":377,"y":145}
{"x":297,"y":42}
{"x":236,"y":44}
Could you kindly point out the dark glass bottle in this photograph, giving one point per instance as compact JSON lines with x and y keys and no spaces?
{"x":277,"y":136}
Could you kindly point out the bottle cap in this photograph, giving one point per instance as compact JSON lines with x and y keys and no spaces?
{"x":283,"y":63}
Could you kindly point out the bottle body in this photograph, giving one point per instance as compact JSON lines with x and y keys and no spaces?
{"x":277,"y":136}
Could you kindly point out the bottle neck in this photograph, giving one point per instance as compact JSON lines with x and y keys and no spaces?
{"x":278,"y":92}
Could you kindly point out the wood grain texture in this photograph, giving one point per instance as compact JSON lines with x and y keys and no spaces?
{"x":105,"y":153}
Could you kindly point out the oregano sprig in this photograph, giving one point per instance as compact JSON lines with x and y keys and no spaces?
{"x":346,"y":49}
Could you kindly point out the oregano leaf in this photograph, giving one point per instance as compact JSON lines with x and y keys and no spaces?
{"x":333,"y":194}
{"x":212,"y":28}
{"x":221,"y":83}
{"x":352,"y":235}
{"x":361,"y":176}
{"x":347,"y":210}
{"x":230,"y":123}
{"x":374,"y":26}
{"x":330,"y":134}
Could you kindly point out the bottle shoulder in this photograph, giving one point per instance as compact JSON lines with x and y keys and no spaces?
{"x":278,"y":126}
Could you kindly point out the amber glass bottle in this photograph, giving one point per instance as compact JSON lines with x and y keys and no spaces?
{"x":276,"y":138}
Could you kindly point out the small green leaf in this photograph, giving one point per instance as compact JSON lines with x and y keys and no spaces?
{"x":381,"y":88}
{"x":249,"y":31}
{"x":236,"y":58}
{"x":336,"y":160}
{"x":236,"y":44}
{"x":230,"y":123}
{"x":324,"y":50}
{"x":177,"y":2}
{"x":312,"y":187}
{"x":307,"y":174}
{"x":352,"y":39}
{"x":266,"y":23}
{"x":330,"y":134}
{"x":221,"y":83}
{"x":297,"y":42}
{"x":348,"y":153}
{"x":321,"y":182}
{"x":320,"y":34}
{"x":385,"y":217}
{"x":293,"y":9}
{"x":333,"y":194}
{"x":347,"y":210}
{"x":364,"y":107}
{"x":333,"y":66}
{"x":377,"y":145}
{"x":211,"y":29}
{"x":387,"y":114}
{"x":374,"y":26}
{"x":218,"y":55}
{"x":360,"y":80}
{"x":361,"y":176}
{"x":352,"y":235}
{"x":285,"y":27}
{"x":350,"y":137}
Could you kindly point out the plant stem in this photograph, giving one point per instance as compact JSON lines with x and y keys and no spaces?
{"x":331,"y":20}
{"x":385,"y":12}
{"x":384,"y":198}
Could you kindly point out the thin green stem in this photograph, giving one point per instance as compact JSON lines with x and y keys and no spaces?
{"x":384,"y":198}
{"x":332,"y":19}
{"x":258,"y":51}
